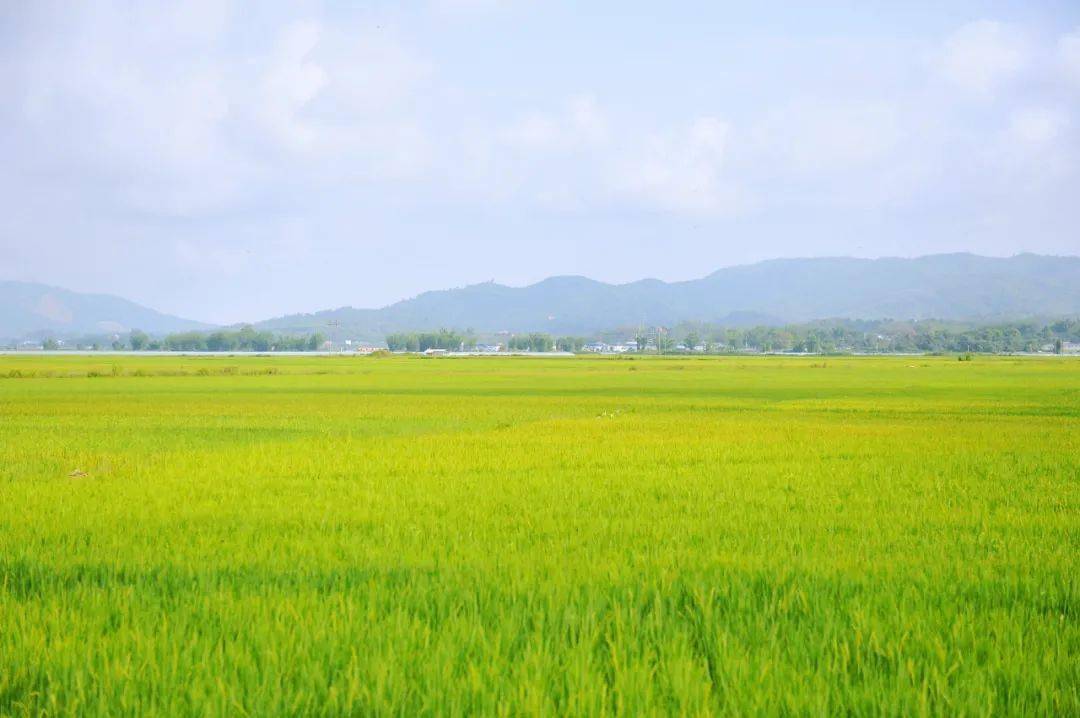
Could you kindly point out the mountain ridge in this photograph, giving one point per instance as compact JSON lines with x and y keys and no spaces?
{"x":958,"y":286}
{"x":942,"y":286}
{"x":29,"y":308}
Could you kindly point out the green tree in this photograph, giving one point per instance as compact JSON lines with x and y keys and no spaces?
{"x":539,"y":342}
{"x":570,"y":344}
{"x":221,"y":342}
{"x":138,"y":339}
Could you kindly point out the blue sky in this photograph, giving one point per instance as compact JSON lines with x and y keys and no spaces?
{"x":229,"y":161}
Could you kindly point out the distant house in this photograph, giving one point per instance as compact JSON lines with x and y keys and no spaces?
{"x":434,"y":352}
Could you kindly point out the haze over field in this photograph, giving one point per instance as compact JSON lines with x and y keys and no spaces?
{"x":228,"y":162}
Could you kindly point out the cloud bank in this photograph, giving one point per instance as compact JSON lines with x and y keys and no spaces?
{"x":193,"y":155}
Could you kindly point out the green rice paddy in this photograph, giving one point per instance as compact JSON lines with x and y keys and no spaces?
{"x":268,"y":536}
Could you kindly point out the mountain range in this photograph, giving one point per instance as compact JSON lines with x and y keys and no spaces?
{"x":943,"y":286}
{"x":31,"y":309}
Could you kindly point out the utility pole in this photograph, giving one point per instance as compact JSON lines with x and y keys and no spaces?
{"x":330,"y":330}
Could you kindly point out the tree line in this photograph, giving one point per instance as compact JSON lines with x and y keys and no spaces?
{"x":450,"y":340}
{"x":832,"y":336}
{"x":445,"y":339}
{"x":243,"y":339}
{"x":884,"y":336}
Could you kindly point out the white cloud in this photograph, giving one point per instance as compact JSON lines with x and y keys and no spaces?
{"x":580,"y":124}
{"x":200,"y":19}
{"x":1037,"y":125}
{"x":587,"y":119}
{"x":469,"y":6}
{"x":534,"y":131}
{"x":983,"y":55}
{"x":176,"y":117}
{"x":580,"y":157}
{"x":1069,"y":54}
{"x":370,"y":123}
{"x":291,"y":81}
{"x":825,"y":136}
{"x":548,"y":157}
{"x":682,"y":171}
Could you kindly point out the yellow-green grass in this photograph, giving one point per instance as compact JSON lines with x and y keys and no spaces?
{"x":512,"y":536}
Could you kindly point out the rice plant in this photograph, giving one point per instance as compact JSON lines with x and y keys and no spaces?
{"x":405,"y":536}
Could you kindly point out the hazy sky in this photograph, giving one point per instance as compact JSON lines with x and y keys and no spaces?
{"x":229,"y":161}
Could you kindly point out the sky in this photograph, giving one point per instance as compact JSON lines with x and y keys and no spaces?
{"x":236,"y":161}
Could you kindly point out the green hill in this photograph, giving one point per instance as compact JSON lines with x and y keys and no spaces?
{"x":945,"y":286}
{"x":29,"y":308}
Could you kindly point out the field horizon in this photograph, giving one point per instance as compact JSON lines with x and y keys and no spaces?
{"x":399,"y":535}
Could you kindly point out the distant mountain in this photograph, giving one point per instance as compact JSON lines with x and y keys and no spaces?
{"x":943,"y":286}
{"x":28,"y":308}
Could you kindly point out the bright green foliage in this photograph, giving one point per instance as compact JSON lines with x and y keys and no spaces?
{"x":409,"y":536}
{"x":422,"y":341}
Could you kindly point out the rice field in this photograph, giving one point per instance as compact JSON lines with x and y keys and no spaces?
{"x":264,"y":536}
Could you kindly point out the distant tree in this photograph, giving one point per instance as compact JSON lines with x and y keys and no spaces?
{"x":570,"y":344}
{"x":187,"y":342}
{"x":449,"y":340}
{"x":50,"y":344}
{"x":427,"y":340}
{"x":221,"y":342}
{"x":692,"y":340}
{"x":138,"y":340}
{"x":540,"y":342}
{"x":263,"y":342}
{"x":291,"y":343}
